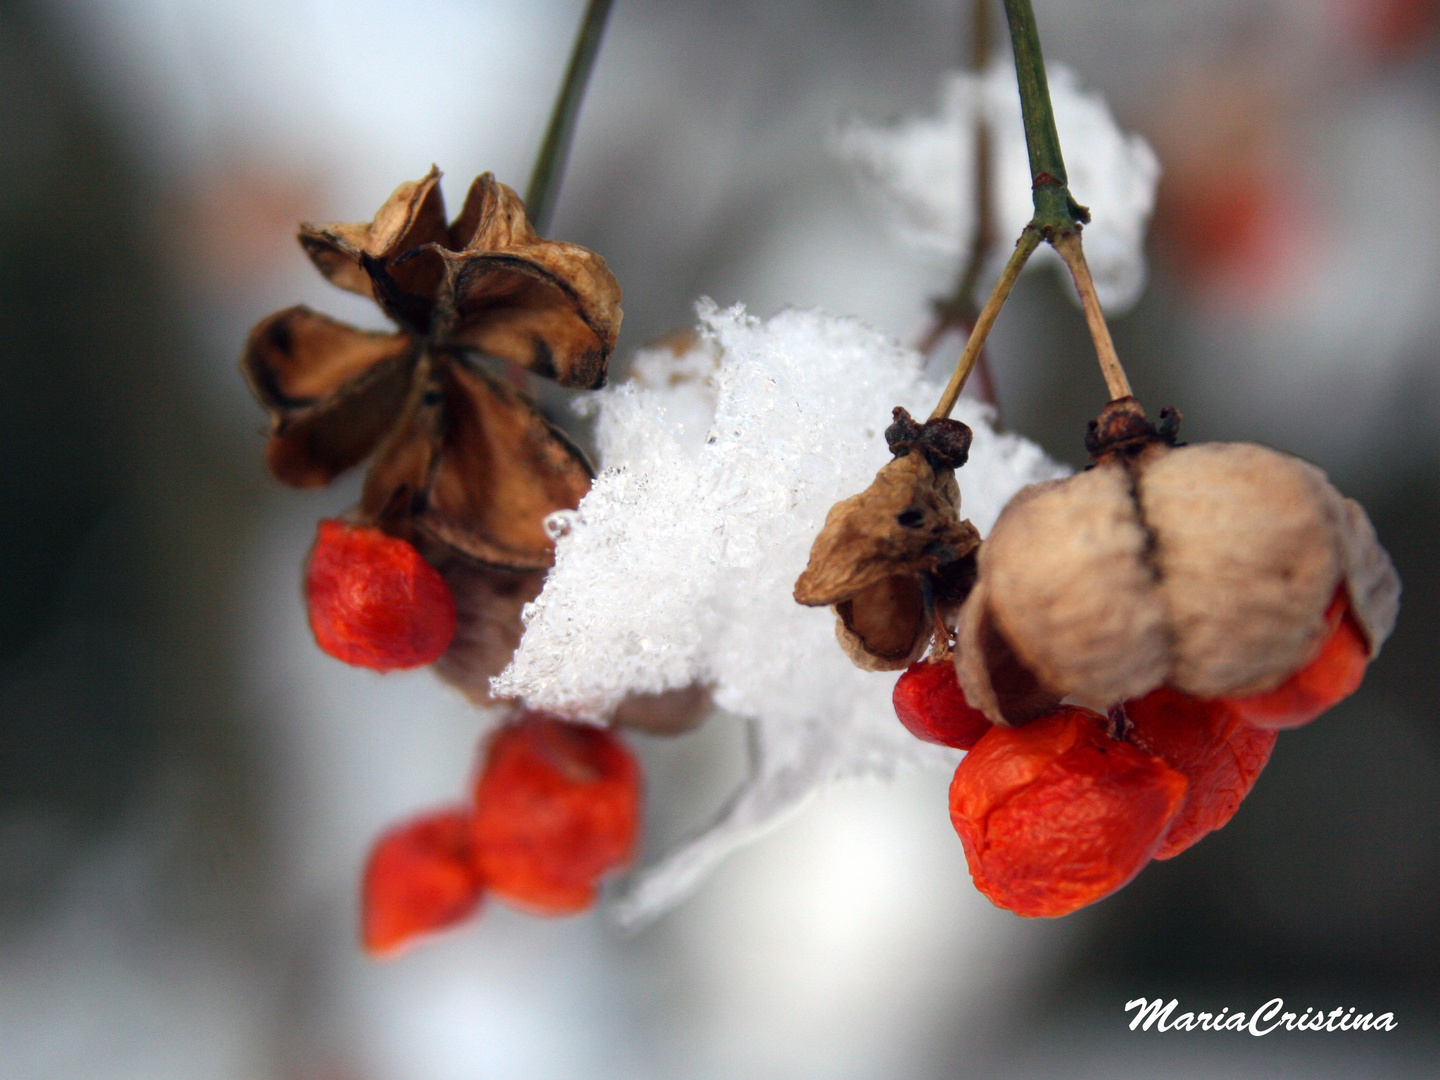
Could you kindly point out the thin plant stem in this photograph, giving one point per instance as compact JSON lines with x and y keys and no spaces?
{"x":1070,"y":249}
{"x":549,"y":168}
{"x":1029,"y":241}
{"x":1057,"y":215}
{"x":959,"y":311}
{"x":1050,"y":190}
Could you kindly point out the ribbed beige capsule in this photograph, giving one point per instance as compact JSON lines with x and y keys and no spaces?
{"x":1207,"y":568}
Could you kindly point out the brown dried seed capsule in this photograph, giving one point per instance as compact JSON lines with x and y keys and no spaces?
{"x":1205,"y":568}
{"x":872,"y":560}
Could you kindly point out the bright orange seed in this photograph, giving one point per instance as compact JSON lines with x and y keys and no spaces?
{"x":420,"y":878}
{"x":1207,"y":742}
{"x":556,"y":806}
{"x":374,"y":601}
{"x":929,"y":702}
{"x":1056,"y":814}
{"x":1334,"y":674}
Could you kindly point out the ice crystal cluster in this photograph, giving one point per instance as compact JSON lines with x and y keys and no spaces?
{"x":719,"y":462}
{"x":923,"y":168}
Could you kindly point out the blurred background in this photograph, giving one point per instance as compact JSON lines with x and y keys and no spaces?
{"x":188,"y":787}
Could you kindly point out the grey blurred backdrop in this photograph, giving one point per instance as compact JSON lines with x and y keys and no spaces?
{"x":187,"y":787}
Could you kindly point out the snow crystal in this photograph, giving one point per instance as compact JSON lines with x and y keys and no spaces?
{"x":923,"y":169}
{"x":719,"y":466}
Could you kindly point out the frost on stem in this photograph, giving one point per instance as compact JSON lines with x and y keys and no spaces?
{"x":923,"y":169}
{"x":718,"y":467}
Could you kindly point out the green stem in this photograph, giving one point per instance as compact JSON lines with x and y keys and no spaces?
{"x":1057,"y":215}
{"x":550,"y":162}
{"x":1055,"y":208}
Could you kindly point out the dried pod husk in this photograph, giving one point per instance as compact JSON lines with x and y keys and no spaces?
{"x":874,"y":560}
{"x":887,"y":626}
{"x":488,"y":602}
{"x":669,"y":712}
{"x":1206,"y":568}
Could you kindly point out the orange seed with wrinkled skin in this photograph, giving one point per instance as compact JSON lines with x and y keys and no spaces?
{"x":557,"y":805}
{"x":1056,"y":815}
{"x":1221,"y":756}
{"x":420,"y":878}
{"x":374,"y":601}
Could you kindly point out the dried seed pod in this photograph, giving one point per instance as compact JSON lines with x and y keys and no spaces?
{"x":460,"y":456}
{"x":488,"y":602}
{"x":882,"y":551}
{"x":668,"y":712}
{"x":1207,"y":568}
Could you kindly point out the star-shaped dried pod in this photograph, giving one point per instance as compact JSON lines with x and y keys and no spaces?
{"x":1209,"y":569}
{"x":884,"y":554}
{"x":461,"y":457}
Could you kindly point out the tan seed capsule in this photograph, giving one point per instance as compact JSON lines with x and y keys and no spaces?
{"x":1206,"y":568}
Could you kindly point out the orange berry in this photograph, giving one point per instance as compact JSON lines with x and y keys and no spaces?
{"x":1207,"y":742}
{"x":1334,"y":674}
{"x":420,"y":878}
{"x":556,"y":806}
{"x":929,"y":702}
{"x":374,"y":601}
{"x":1056,"y":814}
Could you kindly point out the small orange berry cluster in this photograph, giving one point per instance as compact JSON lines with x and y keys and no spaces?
{"x":1066,"y":809}
{"x":555,"y":807}
{"x":1119,"y":652}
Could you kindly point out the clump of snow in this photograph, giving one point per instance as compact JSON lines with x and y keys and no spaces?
{"x":923,"y":168}
{"x":719,"y":466}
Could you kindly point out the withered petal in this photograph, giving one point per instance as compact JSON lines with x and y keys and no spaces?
{"x":493,"y":218}
{"x":332,"y":391}
{"x":551,"y":307}
{"x":906,"y":522}
{"x":473,"y":464}
{"x":347,"y":254}
{"x":517,"y":308}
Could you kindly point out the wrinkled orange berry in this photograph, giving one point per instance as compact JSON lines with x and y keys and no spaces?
{"x":1334,"y":674}
{"x":556,"y":806}
{"x":420,"y":878}
{"x":374,"y":601}
{"x":1056,"y":814}
{"x":929,"y":702}
{"x":1206,"y":741}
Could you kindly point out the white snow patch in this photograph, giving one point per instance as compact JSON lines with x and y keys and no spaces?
{"x":718,"y":469}
{"x":923,"y":169}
